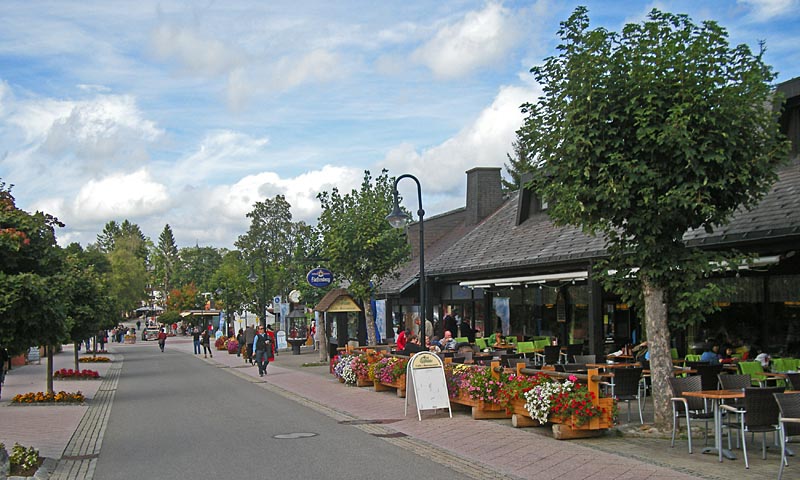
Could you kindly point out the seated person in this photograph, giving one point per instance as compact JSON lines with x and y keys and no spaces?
{"x":433,"y":344}
{"x":402,"y":339}
{"x":764,"y":359}
{"x":728,"y":357}
{"x":448,"y":342}
{"x":412,"y":346}
{"x":641,"y":352}
{"x":711,"y":356}
{"x":496,"y":338}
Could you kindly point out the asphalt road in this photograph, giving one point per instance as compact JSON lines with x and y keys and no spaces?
{"x":177,"y":417}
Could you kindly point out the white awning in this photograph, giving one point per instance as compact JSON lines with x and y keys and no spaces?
{"x":513,"y":281}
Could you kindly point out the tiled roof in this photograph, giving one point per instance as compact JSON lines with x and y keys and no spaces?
{"x":498,"y":244}
{"x":777,"y":215}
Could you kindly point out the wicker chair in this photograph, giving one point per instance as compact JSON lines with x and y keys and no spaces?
{"x":688,"y":407}
{"x":571,"y":350}
{"x":550,"y":356}
{"x":586,"y":359}
{"x":709,"y":376}
{"x":789,"y":406}
{"x":794,"y":381}
{"x":760,"y":414}
{"x":735,"y":382}
{"x":626,"y":388}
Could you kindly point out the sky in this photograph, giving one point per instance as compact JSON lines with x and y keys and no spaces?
{"x":188,"y":112}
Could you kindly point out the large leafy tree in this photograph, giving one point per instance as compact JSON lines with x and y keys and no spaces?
{"x":197,"y":265}
{"x":231,"y":285}
{"x":269,"y":247}
{"x":128,"y":280}
{"x":32,"y":280}
{"x":645,"y":134}
{"x":360,"y":245}
{"x":517,"y":165}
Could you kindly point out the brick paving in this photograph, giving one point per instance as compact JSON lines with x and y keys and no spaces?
{"x":72,"y":435}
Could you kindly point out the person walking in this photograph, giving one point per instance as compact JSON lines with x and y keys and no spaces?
{"x":262,"y":350}
{"x":205,"y":339}
{"x":240,"y":340}
{"x":196,"y":340}
{"x":249,"y":336}
{"x":162,"y":339}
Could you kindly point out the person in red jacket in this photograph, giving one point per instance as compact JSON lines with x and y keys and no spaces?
{"x":162,"y":339}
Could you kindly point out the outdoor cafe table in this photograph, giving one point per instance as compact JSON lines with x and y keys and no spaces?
{"x":716,"y":396}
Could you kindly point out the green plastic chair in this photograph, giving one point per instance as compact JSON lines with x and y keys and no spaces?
{"x":511,"y":339}
{"x":462,"y":339}
{"x":540,"y":344}
{"x":782,"y":364}
{"x":525,"y":347}
{"x":692,"y":358}
{"x":481,"y":343}
{"x":674,"y":353}
{"x":755,"y":370}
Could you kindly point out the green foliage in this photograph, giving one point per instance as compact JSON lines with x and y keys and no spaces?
{"x":169,"y":317}
{"x":643,"y":135}
{"x":24,"y":458}
{"x":165,"y":260}
{"x":517,"y":165}
{"x":197,"y":265}
{"x":358,"y":242}
{"x":129,"y":275}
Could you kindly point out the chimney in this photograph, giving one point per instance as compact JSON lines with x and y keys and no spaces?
{"x":484,"y":193}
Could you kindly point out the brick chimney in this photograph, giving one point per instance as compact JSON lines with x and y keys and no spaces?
{"x":484,"y":193}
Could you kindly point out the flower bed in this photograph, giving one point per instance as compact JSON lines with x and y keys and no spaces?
{"x":94,"y":359}
{"x":233,"y":346}
{"x":68,"y":373}
{"x":220,"y":343}
{"x":41,"y":397}
{"x":389,"y":373}
{"x":23,"y":462}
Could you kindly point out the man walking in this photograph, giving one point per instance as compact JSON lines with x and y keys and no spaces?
{"x":262,"y":350}
{"x":162,"y":339}
{"x":196,"y":340}
{"x":249,"y":336}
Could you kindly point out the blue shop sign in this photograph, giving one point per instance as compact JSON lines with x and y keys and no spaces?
{"x":319,"y":277}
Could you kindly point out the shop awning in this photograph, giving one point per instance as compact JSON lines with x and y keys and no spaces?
{"x":526,"y":280}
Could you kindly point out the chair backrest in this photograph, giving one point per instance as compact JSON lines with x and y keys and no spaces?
{"x":626,"y":381}
{"x":511,"y":339}
{"x":481,"y":343}
{"x":693,"y":365}
{"x":509,"y":359}
{"x":468,"y":356}
{"x":574,"y":349}
{"x":575,"y":367}
{"x":789,"y":407}
{"x":525,"y":347}
{"x":692,"y":358}
{"x":462,"y":340}
{"x":794,"y":380}
{"x":734,"y":381}
{"x":673,"y":352}
{"x":753,"y":369}
{"x":585,"y":359}
{"x":551,"y":354}
{"x":709,"y":376}
{"x":678,"y":385}
{"x":783,"y":364}
{"x":760,"y":409}
{"x":541,"y":343}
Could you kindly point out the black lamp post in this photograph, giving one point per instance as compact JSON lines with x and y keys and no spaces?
{"x":398,"y":219}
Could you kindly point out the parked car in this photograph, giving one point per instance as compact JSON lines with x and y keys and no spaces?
{"x":150,"y":333}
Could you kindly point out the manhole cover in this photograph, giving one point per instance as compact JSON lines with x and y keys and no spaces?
{"x":295,"y":435}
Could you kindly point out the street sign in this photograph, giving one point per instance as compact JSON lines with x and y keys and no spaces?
{"x":319,"y":277}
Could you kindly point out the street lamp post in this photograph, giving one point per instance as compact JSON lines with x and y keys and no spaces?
{"x":398,"y":219}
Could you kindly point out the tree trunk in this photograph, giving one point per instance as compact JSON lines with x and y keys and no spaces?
{"x":658,"y":341}
{"x":49,"y":352}
{"x":75,"y":356}
{"x":372,"y":339}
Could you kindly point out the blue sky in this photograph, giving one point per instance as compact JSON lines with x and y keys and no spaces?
{"x":186,"y":113}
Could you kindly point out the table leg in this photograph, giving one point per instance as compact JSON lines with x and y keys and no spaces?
{"x":717,"y":448}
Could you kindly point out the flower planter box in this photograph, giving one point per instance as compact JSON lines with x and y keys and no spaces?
{"x":480,"y":409}
{"x":520,"y":417}
{"x":363,"y":382}
{"x":566,"y":429}
{"x":399,"y":386}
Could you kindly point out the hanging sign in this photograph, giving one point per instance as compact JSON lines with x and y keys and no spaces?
{"x":425,"y":383}
{"x":319,"y":277}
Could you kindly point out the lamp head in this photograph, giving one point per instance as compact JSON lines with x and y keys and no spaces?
{"x":398,"y":218}
{"x":252,"y":278}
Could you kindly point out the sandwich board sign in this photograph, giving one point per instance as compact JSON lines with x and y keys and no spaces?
{"x":426,"y":383}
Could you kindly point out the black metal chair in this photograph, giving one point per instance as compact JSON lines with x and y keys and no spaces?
{"x":735,"y":381}
{"x":789,"y":407}
{"x":688,"y":407}
{"x":550,"y":356}
{"x":759,"y":415}
{"x":570,"y":352}
{"x":586,"y":359}
{"x":506,"y":359}
{"x":709,"y":376}
{"x":626,"y":387}
{"x":794,"y":380}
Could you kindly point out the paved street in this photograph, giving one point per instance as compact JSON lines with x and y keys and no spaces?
{"x":188,"y":412}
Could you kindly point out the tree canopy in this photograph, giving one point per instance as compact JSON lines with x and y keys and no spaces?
{"x":645,"y":134}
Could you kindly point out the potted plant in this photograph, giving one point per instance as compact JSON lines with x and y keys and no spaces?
{"x":233,"y":346}
{"x":565,"y":402}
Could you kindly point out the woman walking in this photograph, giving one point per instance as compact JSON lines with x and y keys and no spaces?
{"x":206,"y":341}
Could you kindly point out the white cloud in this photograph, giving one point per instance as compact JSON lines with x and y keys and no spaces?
{"x":193,"y":53}
{"x":220,"y":151}
{"x":481,"y":38}
{"x":763,"y":10}
{"x":104,"y":131}
{"x":116,"y":196}
{"x":482,"y":143}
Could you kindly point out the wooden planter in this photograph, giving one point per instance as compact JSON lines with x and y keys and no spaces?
{"x":520,"y":417}
{"x":566,"y":429}
{"x":480,"y":409}
{"x":399,"y":385}
{"x":363,"y":382}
